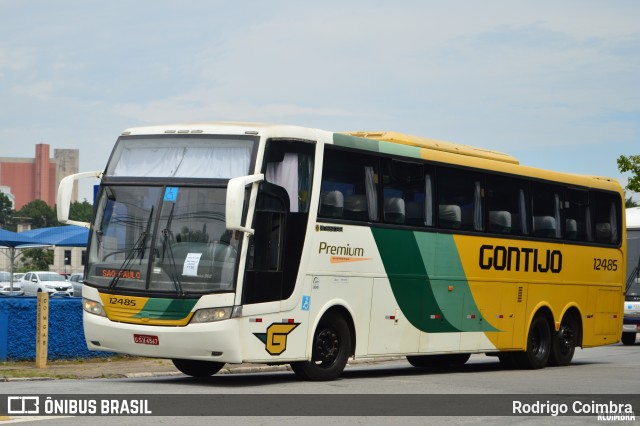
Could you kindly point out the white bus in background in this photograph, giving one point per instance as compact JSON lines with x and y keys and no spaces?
{"x":631,"y":324}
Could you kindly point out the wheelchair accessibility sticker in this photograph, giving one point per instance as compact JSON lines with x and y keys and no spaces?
{"x":306,"y":303}
{"x":171,"y":194}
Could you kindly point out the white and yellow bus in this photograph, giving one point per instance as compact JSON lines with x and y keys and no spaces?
{"x":228,"y":243}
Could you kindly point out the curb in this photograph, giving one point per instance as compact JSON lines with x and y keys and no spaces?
{"x":228,"y":369}
{"x":261,"y":368}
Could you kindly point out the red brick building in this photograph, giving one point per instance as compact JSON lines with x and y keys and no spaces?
{"x":38,"y":178}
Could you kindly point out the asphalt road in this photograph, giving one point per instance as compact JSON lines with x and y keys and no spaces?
{"x":606,"y":371}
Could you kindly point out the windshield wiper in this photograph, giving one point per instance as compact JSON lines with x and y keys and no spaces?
{"x":140,"y":245}
{"x":167,"y":236}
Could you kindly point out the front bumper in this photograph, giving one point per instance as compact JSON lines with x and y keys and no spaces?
{"x":216,"y":341}
{"x":15,"y":292}
{"x":63,"y":293}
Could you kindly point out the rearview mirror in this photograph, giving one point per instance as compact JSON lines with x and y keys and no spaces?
{"x":63,"y":199}
{"x":235,"y":201}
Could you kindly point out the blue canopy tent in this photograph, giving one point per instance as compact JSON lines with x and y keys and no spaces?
{"x":61,"y":236}
{"x":13,"y":241}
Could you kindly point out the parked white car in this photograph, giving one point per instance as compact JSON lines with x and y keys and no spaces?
{"x":52,"y":282}
{"x":5,"y":285}
{"x":76,"y":280}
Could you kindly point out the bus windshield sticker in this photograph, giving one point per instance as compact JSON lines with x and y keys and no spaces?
{"x":191,"y":263}
{"x":171,"y":194}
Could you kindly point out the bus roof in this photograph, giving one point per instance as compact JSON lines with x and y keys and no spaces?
{"x":436,"y":145}
{"x":430,"y":148}
{"x":476,"y":157}
{"x":633,"y":218}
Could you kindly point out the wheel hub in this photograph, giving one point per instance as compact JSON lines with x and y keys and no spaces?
{"x":566,"y":337}
{"x":327,"y":346}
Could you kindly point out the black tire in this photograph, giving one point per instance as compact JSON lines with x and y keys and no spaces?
{"x":196,"y":368}
{"x":330,"y":351}
{"x":437,"y":361}
{"x":564,"y":342}
{"x":538,"y":345}
{"x":629,"y":338}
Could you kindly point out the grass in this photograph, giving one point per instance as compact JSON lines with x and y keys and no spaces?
{"x":34,"y":374}
{"x":56,"y":369}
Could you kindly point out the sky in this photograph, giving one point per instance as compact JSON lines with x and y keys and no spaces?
{"x":555,"y":84}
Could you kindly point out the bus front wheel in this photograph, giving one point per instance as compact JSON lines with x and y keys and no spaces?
{"x":196,"y":368}
{"x":330,"y":351}
{"x":538,"y":345}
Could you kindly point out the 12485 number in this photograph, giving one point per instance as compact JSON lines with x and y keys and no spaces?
{"x":605,"y":264}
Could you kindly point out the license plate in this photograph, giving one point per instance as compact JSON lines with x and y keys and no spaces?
{"x":145,"y":339}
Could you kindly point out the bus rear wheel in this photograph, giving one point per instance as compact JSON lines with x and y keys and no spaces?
{"x":538,"y":345}
{"x":435,"y":361}
{"x":629,"y":338}
{"x":196,"y":368}
{"x":564,"y":342}
{"x":330,"y":351}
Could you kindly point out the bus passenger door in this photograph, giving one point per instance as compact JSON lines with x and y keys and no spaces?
{"x":264,"y":270}
{"x":280,"y":222}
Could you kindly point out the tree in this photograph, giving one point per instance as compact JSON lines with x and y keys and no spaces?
{"x":631,"y":164}
{"x":6,"y":212}
{"x":39,"y":213}
{"x":630,"y":203}
{"x":81,"y":211}
{"x":36,"y":259}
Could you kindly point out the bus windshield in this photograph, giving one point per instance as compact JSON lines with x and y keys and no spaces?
{"x":162,"y":239}
{"x":181,"y":156}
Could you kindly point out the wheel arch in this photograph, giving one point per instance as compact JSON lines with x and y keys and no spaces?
{"x":541,"y":309}
{"x":572,"y":310}
{"x":342,"y":310}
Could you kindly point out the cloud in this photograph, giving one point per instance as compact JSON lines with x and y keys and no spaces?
{"x":529,"y":76}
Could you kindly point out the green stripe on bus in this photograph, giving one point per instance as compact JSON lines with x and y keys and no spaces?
{"x":399,"y":149}
{"x":166,"y":309}
{"x":442,"y":259}
{"x":428,"y":304}
{"x":375,"y":145}
{"x":348,"y":141}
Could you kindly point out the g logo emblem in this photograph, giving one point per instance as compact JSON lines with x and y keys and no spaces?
{"x":275,"y":339}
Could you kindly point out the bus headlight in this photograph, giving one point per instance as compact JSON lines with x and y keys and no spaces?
{"x":92,"y":307}
{"x":211,"y":315}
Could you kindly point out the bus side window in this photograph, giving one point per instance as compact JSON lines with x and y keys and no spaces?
{"x":507,"y":205}
{"x":290,"y":165}
{"x":546,"y":211}
{"x":349,"y":186}
{"x":331,"y":204}
{"x":577,"y":217}
{"x":403,"y":191}
{"x":460,"y":199}
{"x":605,"y":210}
